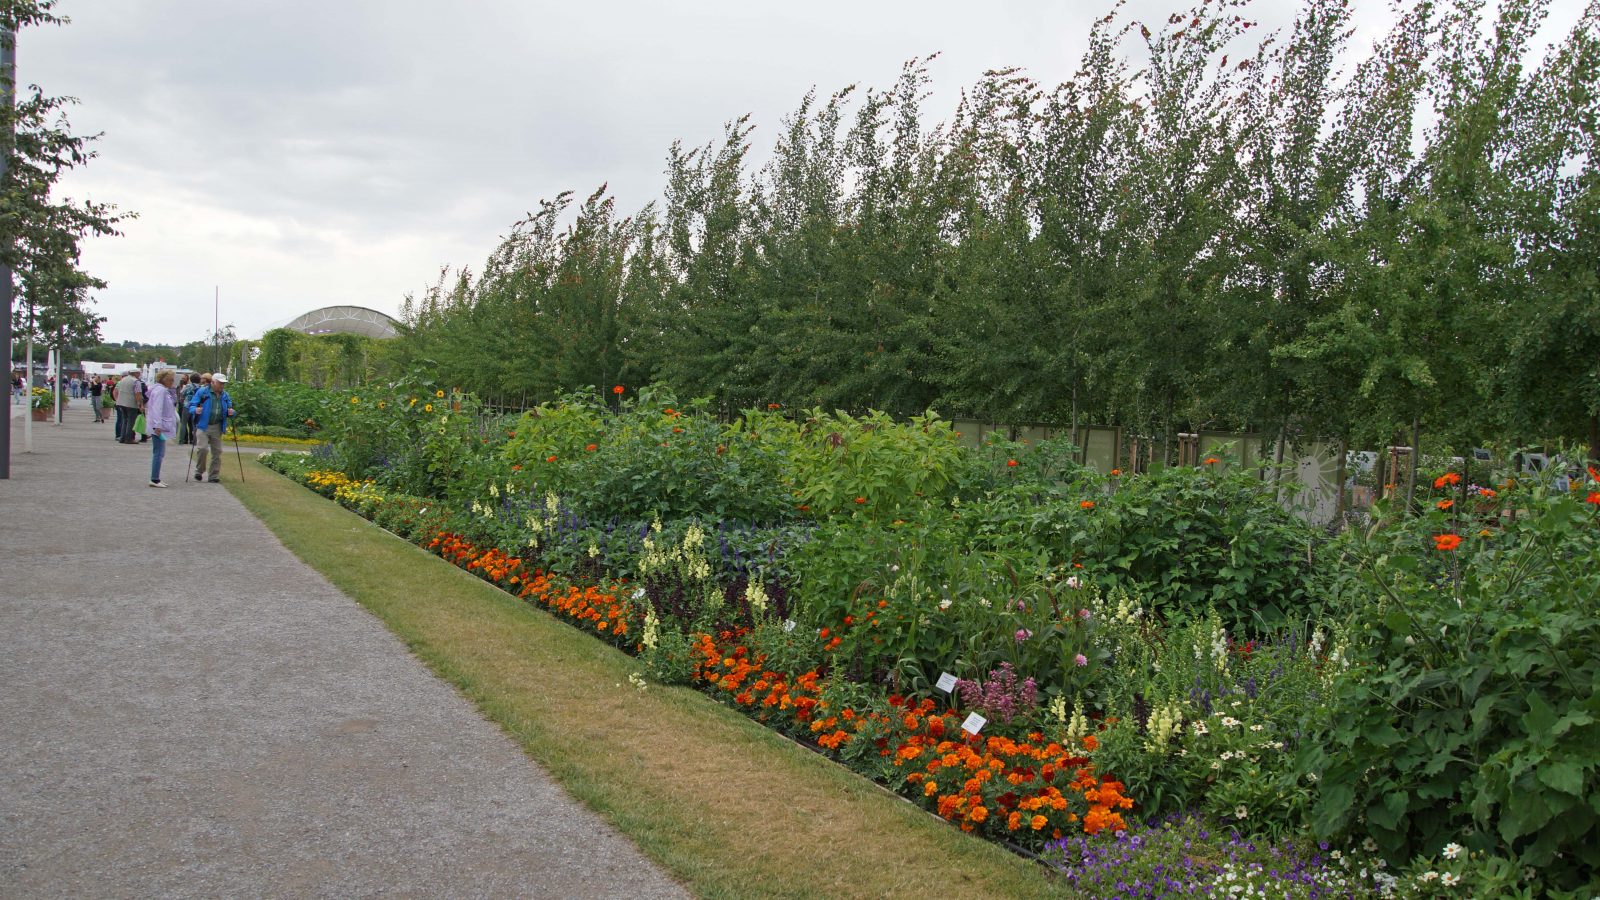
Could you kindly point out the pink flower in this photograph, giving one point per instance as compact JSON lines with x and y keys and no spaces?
{"x":1081,"y":660}
{"x":1023,"y":634}
{"x":1072,"y":582}
{"x":1083,"y":614}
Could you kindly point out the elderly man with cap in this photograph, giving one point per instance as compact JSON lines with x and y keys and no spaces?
{"x":212,"y":411}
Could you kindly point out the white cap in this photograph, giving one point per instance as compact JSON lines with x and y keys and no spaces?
{"x":219,"y":378}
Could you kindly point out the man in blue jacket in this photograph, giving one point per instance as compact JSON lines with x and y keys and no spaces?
{"x":211,"y":410}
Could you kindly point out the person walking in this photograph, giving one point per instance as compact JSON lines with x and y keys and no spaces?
{"x":126,"y":396}
{"x":185,"y":394}
{"x":161,"y":420}
{"x":213,"y":412}
{"x":96,"y":391}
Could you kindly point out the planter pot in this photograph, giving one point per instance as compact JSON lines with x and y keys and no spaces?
{"x":41,"y":415}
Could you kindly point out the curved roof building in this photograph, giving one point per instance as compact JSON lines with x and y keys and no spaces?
{"x":346,"y":320}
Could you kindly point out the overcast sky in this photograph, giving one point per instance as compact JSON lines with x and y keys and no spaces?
{"x":298,"y":154}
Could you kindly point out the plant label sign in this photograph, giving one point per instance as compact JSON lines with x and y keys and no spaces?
{"x":974,"y":724}
{"x":946,"y":682}
{"x":788,"y":624}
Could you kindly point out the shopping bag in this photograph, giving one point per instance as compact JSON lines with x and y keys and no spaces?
{"x":138,"y":424}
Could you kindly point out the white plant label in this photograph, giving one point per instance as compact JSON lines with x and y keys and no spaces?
{"x":946,"y":682}
{"x":788,"y":624}
{"x":974,"y":724}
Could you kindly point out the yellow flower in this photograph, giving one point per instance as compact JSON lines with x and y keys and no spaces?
{"x":438,"y":393}
{"x":427,"y":407}
{"x":381,"y":404}
{"x":413,"y":401}
{"x":354,"y":400}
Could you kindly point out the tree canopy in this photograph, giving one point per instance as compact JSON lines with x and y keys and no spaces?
{"x":1202,"y":228}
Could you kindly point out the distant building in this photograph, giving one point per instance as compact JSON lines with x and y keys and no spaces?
{"x":346,"y":320}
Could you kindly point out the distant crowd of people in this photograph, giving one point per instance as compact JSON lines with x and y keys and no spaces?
{"x":194,"y":410}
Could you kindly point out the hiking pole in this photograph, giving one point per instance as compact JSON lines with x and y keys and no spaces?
{"x":237,"y":454}
{"x":190,"y":467}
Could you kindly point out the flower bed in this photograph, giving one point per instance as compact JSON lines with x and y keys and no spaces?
{"x":1059,"y":615}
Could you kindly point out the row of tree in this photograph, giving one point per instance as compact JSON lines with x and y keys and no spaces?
{"x":1197,"y":230}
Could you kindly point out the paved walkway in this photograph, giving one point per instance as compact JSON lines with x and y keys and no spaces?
{"x":186,"y":710}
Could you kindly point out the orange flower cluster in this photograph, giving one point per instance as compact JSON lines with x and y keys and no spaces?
{"x":1002,"y":786}
{"x":729,"y":668}
{"x":1448,"y":478}
{"x":593,"y":608}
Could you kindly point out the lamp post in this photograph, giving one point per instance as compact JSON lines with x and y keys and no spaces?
{"x":8,"y":82}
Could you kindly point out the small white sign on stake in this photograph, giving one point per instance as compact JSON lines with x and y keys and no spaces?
{"x":946,"y":682}
{"x":974,"y":724}
{"x":788,"y":624}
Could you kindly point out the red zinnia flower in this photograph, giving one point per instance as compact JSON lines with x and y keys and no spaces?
{"x":861,"y":499}
{"x":1594,"y":498}
{"x":617,"y":390}
{"x":1446,"y":542}
{"x":1011,"y":463}
{"x":592,"y":448}
{"x":550,"y":458}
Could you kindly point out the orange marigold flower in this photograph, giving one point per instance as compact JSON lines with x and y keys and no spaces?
{"x":1446,"y":542}
{"x":1038,"y":822}
{"x":1087,"y":504}
{"x":1014,"y":821}
{"x":1445,"y":504}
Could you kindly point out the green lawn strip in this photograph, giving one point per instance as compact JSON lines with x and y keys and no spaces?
{"x":728,"y":807}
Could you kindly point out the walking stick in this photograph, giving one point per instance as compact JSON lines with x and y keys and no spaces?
{"x":237,"y":454}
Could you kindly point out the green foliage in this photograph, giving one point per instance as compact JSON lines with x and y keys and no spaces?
{"x":871,"y":465}
{"x":296,"y":407}
{"x":650,"y":459}
{"x":1466,"y":702}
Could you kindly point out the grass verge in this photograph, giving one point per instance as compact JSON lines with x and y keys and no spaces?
{"x":726,"y":806}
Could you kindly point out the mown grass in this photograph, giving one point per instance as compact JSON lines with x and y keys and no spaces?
{"x":727,"y":807}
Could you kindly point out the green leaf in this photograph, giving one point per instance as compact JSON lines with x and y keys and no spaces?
{"x":1563,"y":776}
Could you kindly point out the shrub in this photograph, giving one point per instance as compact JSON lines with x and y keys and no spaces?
{"x":1467,"y":708}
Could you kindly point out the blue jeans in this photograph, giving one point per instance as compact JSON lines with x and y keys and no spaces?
{"x":158,"y":449}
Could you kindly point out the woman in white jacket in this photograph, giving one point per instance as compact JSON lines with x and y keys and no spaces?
{"x":161,"y":421}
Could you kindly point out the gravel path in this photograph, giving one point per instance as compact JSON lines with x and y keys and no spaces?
{"x":187,"y":710}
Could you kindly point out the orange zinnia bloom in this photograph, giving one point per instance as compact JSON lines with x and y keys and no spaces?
{"x":617,"y":390}
{"x":592,"y":448}
{"x":1445,"y":504}
{"x":1212,"y":460}
{"x":861,"y":499}
{"x":1446,"y":542}
{"x":1593,"y":498}
{"x":1087,"y":504}
{"x":1011,"y":463}
{"x":1446,"y":478}
{"x":1116,"y":472}
{"x":550,"y":458}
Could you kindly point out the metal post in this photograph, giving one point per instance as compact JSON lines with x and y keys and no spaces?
{"x":8,"y":79}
